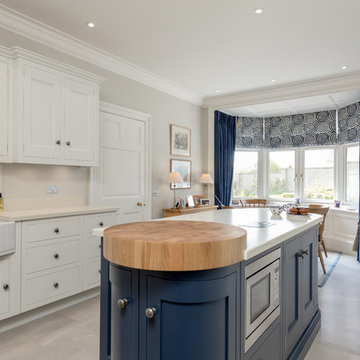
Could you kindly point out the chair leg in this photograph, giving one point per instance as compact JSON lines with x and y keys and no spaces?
{"x":321,"y":259}
{"x":324,"y":247}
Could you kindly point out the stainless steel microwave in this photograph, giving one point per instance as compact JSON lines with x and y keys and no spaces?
{"x":262,"y":295}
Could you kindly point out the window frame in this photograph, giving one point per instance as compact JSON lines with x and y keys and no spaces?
{"x":345,"y":148}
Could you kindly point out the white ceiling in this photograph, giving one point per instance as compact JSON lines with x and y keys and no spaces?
{"x":206,"y":45}
{"x":298,"y":106}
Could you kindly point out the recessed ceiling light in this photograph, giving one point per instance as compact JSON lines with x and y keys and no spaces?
{"x":273,"y":80}
{"x":258,"y":11}
{"x":344,"y":67}
{"x":90,"y":24}
{"x":217,"y":91}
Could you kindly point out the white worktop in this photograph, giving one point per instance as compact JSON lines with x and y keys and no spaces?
{"x":258,"y":239}
{"x":36,"y":214}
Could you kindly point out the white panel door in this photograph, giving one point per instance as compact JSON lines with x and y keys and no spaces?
{"x":4,"y":110}
{"x":122,"y":180}
{"x":80,"y":120}
{"x":42,"y":114}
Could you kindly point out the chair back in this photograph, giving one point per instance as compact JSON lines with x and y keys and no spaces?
{"x":255,"y":202}
{"x":320,"y":210}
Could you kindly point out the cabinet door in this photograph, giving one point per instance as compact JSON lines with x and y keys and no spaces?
{"x":309,"y":298}
{"x":4,"y":110}
{"x":5,"y":286}
{"x":81,"y":121}
{"x":291,"y":293}
{"x":124,"y":328}
{"x":193,"y":320}
{"x":42,"y":115}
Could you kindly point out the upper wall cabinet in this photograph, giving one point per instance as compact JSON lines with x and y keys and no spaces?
{"x":56,"y":112}
{"x":5,"y":108}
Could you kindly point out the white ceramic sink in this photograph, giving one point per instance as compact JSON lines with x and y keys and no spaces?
{"x":7,"y":237}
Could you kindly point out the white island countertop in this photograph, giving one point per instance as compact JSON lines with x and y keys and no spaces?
{"x":259,"y":239}
{"x":35,"y":214}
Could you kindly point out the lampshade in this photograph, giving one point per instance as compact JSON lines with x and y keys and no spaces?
{"x":175,"y":178}
{"x":206,"y":179}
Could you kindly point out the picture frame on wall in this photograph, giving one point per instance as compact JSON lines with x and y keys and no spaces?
{"x":183,"y":167}
{"x":180,"y":140}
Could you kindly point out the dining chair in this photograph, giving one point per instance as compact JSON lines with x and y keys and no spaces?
{"x":320,"y":210}
{"x":255,"y":202}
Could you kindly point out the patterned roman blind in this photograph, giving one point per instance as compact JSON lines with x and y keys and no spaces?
{"x":249,"y":133}
{"x":349,"y":124}
{"x":311,"y":129}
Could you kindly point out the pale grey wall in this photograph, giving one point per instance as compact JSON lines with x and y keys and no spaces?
{"x":163,"y":108}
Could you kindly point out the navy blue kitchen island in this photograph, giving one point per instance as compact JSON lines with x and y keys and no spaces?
{"x":263,"y":307}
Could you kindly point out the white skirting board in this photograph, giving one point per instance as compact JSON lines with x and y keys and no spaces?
{"x":31,"y":315}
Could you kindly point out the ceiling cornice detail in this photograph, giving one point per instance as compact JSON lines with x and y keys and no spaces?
{"x":301,"y":89}
{"x":32,"y":29}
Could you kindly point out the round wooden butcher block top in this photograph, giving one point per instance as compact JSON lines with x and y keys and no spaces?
{"x":174,"y":245}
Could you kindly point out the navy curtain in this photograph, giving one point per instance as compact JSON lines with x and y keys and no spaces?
{"x":358,"y":230}
{"x":224,"y":148}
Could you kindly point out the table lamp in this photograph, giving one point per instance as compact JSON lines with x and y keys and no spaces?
{"x":173,"y":179}
{"x":206,"y":179}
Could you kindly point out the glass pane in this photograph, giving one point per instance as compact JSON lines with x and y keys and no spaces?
{"x":352,"y":173}
{"x":281,"y":174}
{"x":245,"y":174}
{"x":319,"y":174}
{"x":260,"y":297}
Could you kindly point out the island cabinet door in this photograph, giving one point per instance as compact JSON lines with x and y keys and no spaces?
{"x":190,"y":320}
{"x":291,"y":294}
{"x":124,"y":313}
{"x":309,"y":285}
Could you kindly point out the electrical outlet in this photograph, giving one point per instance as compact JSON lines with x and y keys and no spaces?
{"x":52,"y":189}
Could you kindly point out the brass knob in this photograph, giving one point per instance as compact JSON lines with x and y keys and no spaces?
{"x":101,"y":223}
{"x":122,"y":303}
{"x":56,"y":285}
{"x":68,"y":143}
{"x":56,"y":256}
{"x":6,"y":287}
{"x":139,"y":203}
{"x":150,"y":312}
{"x":56,"y":230}
{"x":58,"y":142}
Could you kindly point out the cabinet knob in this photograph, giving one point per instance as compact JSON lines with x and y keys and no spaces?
{"x":6,"y":287}
{"x":56,"y":285}
{"x":150,"y":312}
{"x":139,"y":203}
{"x":301,"y":255}
{"x":99,"y":246}
{"x":122,"y":303}
{"x":306,"y":252}
{"x":101,"y":223}
{"x":58,"y":142}
{"x":68,"y":143}
{"x":56,"y":230}
{"x":56,"y":256}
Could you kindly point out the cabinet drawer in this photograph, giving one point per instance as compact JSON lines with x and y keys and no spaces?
{"x":92,"y":273}
{"x":52,"y":255}
{"x":51,"y":287}
{"x":100,"y":220}
{"x":93,"y":244}
{"x":52,"y":229}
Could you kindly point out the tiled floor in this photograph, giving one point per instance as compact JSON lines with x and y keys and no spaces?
{"x":72,"y":334}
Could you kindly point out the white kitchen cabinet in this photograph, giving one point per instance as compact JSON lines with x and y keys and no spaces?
{"x":56,"y":112}
{"x":5,"y":109}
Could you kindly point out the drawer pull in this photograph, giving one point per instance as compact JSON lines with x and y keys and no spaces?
{"x":68,"y":143}
{"x":122,"y":303}
{"x":101,"y":223}
{"x":150,"y":313}
{"x":99,"y":271}
{"x":56,"y":230}
{"x":6,"y":287}
{"x":56,"y":256}
{"x":99,"y":246}
{"x":58,"y":142}
{"x":56,"y":285}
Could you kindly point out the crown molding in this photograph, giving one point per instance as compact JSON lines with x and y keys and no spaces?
{"x":301,"y":89}
{"x":27,"y":27}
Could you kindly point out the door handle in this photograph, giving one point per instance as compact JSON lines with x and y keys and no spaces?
{"x":301,"y":255}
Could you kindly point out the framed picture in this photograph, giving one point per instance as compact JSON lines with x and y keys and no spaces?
{"x":190,"y":201}
{"x":180,"y":140}
{"x":197,"y":199}
{"x":183,"y":167}
{"x":204,"y":202}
